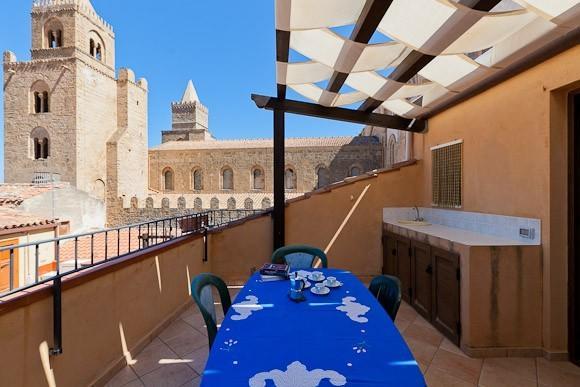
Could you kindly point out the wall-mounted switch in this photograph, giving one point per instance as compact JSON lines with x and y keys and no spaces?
{"x":528,"y":233}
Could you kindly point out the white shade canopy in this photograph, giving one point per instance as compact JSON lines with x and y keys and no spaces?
{"x":451,"y":45}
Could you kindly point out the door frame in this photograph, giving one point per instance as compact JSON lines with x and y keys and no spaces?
{"x":573,"y":227}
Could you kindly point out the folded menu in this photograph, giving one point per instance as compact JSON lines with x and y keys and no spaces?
{"x":275,"y":269}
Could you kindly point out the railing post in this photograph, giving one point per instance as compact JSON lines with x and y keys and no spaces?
{"x":57,"y":316}
{"x":36,"y":262}
{"x":11,"y":269}
{"x":205,"y":241}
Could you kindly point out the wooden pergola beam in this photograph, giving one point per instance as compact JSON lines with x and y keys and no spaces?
{"x":366,"y":25}
{"x":416,"y":61}
{"x":338,"y":114}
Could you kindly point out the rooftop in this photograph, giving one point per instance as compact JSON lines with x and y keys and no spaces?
{"x":267,"y":143}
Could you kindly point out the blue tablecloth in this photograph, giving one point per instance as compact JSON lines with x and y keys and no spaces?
{"x":344,"y":338}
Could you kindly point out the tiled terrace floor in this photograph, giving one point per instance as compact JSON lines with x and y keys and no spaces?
{"x":177,"y":358}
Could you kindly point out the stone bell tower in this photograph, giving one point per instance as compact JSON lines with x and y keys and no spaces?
{"x":65,"y":106}
{"x":189,"y":118}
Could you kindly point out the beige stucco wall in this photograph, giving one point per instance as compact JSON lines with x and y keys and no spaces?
{"x":514,"y":163}
{"x":93,"y":310}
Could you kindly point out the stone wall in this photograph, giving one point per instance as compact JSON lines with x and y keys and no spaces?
{"x":304,"y":161}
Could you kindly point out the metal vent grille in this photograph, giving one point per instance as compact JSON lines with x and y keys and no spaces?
{"x":447,"y":164}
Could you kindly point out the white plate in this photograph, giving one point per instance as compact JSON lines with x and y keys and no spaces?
{"x":337,"y":284}
{"x":324,"y":291}
{"x":321,"y":278}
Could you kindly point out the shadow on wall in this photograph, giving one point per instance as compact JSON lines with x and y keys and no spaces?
{"x":362,"y":154}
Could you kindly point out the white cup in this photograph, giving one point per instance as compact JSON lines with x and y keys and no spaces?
{"x":316,"y":275}
{"x":331,"y":281}
{"x":319,"y":287}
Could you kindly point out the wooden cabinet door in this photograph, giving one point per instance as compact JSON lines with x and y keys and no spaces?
{"x":446,"y":277}
{"x":389,"y":255}
{"x":422,"y":279}
{"x":403,"y":247}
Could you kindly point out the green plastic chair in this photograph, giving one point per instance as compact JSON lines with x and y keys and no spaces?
{"x":299,"y":256}
{"x":202,"y":295}
{"x":387,"y":290}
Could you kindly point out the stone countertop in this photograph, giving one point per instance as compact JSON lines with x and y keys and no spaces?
{"x":457,"y":235}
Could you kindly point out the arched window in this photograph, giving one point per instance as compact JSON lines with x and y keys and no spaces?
{"x":355,"y":170}
{"x":290,"y":179}
{"x":197,"y":180}
{"x":266,"y":203}
{"x":149,"y":202}
{"x":227,"y":178}
{"x":322,"y":176}
{"x":53,"y":30}
{"x":214,"y":203}
{"x":258,"y":178}
{"x":39,"y":97}
{"x":197,"y":204}
{"x":391,"y":150}
{"x":231,"y":204}
{"x":39,"y":148}
{"x":96,"y":46}
{"x":165,"y":203}
{"x":168,"y":180}
{"x":249,"y":204}
{"x":181,"y":204}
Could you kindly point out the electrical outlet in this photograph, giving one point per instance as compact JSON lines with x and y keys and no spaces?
{"x":528,"y":233}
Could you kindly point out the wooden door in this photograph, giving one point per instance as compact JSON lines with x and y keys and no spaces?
{"x":574,"y":228}
{"x":5,"y":266}
{"x":446,"y":290}
{"x":422,"y":279}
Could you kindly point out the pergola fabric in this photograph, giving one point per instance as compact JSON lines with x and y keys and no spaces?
{"x":467,"y":44}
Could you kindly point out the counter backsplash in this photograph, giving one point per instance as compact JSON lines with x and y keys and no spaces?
{"x":509,"y":227}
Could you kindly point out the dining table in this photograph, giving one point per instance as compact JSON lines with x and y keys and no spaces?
{"x":343,"y":338}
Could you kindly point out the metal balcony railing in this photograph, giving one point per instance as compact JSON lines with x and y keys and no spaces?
{"x":74,"y":253}
{"x":29,"y":264}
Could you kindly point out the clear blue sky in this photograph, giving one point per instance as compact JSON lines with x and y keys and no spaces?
{"x":225,"y":46}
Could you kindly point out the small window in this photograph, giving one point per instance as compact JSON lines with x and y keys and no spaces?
{"x":354,"y":171}
{"x":168,"y":180}
{"x":248,"y":204}
{"x":40,"y":97}
{"x":391,"y":151}
{"x":447,"y":173}
{"x":197,"y":178}
{"x":290,"y":179}
{"x":231,"y":204}
{"x":227,"y":178}
{"x":39,"y":144}
{"x":266,"y":203}
{"x":54,"y":38}
{"x":258,"y":178}
{"x":214,"y":203}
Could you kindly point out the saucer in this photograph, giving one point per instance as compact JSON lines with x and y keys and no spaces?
{"x":324,"y":291}
{"x":321,"y":278}
{"x":337,"y":284}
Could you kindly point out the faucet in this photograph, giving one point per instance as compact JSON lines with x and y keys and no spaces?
{"x":418,"y":218}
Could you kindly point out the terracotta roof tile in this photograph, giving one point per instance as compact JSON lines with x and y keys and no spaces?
{"x":13,"y":219}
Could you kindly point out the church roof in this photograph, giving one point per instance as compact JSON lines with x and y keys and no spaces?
{"x":266,"y":143}
{"x":190,"y":94}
